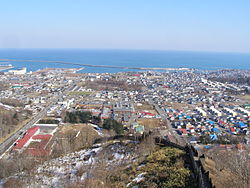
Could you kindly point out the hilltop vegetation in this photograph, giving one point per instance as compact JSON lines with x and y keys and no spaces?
{"x":114,"y":125}
{"x":77,"y":117}
{"x":86,"y":117}
{"x":112,"y":164}
{"x":162,"y":168}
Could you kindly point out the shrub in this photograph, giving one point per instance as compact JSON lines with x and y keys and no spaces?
{"x":114,"y":125}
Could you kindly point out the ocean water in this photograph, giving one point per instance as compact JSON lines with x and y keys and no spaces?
{"x":127,"y":58}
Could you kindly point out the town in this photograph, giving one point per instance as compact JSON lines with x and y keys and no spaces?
{"x":43,"y":111}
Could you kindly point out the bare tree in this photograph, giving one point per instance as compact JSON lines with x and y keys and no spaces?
{"x":240,"y":164}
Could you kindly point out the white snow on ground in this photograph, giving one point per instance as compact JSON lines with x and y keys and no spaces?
{"x":93,"y":125}
{"x":55,"y":171}
{"x":137,"y":179}
{"x":6,"y":106}
{"x":99,"y":132}
{"x":70,"y":167}
{"x":78,"y":134}
{"x":97,"y":129}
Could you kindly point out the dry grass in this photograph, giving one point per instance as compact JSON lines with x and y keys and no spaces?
{"x":80,"y":93}
{"x":73,"y":137}
{"x":150,"y":123}
{"x":220,"y":178}
{"x":146,"y":107}
{"x":73,"y":127}
{"x":18,"y":127}
{"x":245,"y":98}
{"x":179,"y":106}
{"x":227,"y":168}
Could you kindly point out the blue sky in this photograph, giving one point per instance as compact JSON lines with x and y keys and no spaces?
{"x":197,"y":25}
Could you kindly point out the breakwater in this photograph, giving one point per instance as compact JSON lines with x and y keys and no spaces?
{"x":103,"y":66}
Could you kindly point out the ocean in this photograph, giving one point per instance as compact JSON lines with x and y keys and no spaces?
{"x":125,"y":58}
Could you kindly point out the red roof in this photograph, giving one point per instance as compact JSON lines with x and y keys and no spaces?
{"x":184,"y":131}
{"x":166,"y":86}
{"x":42,"y":137}
{"x":39,"y":148}
{"x":37,"y":152}
{"x":136,"y":75}
{"x":148,"y":113}
{"x":30,"y":132}
{"x":43,"y":140}
{"x":104,"y":117}
{"x":232,"y":129}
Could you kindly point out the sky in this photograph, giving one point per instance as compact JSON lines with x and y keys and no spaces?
{"x":193,"y":25}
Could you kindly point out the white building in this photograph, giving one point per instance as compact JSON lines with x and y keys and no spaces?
{"x":214,"y":110}
{"x":18,"y":71}
{"x":244,"y":111}
{"x":202,"y":112}
{"x":230,"y":111}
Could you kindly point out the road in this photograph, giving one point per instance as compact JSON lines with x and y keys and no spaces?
{"x":12,"y":139}
{"x":170,"y":131}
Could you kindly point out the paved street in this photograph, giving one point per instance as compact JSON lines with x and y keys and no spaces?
{"x":12,"y":139}
{"x":170,"y":131}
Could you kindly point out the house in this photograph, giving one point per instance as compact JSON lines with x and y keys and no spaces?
{"x":201,"y":111}
{"x":138,"y":128}
{"x":232,"y":130}
{"x":230,"y":111}
{"x":183,"y":132}
{"x":241,"y":125}
{"x":216,"y":130}
{"x":213,"y":137}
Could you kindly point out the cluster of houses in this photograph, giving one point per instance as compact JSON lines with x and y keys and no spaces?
{"x":205,"y":106}
{"x":98,"y":108}
{"x":35,"y":90}
{"x":210,"y":121}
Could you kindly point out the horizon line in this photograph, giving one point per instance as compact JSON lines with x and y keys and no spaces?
{"x":130,"y":49}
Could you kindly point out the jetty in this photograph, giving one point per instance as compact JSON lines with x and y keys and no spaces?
{"x":5,"y":66}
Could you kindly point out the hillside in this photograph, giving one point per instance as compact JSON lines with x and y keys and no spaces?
{"x":113,"y":163}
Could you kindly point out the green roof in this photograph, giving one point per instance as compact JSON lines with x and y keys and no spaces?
{"x":139,"y":129}
{"x":16,"y":86}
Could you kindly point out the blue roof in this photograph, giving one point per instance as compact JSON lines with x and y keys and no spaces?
{"x":216,"y":130}
{"x":241,"y":124}
{"x":207,"y":147}
{"x":213,"y":137}
{"x":210,"y":122}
